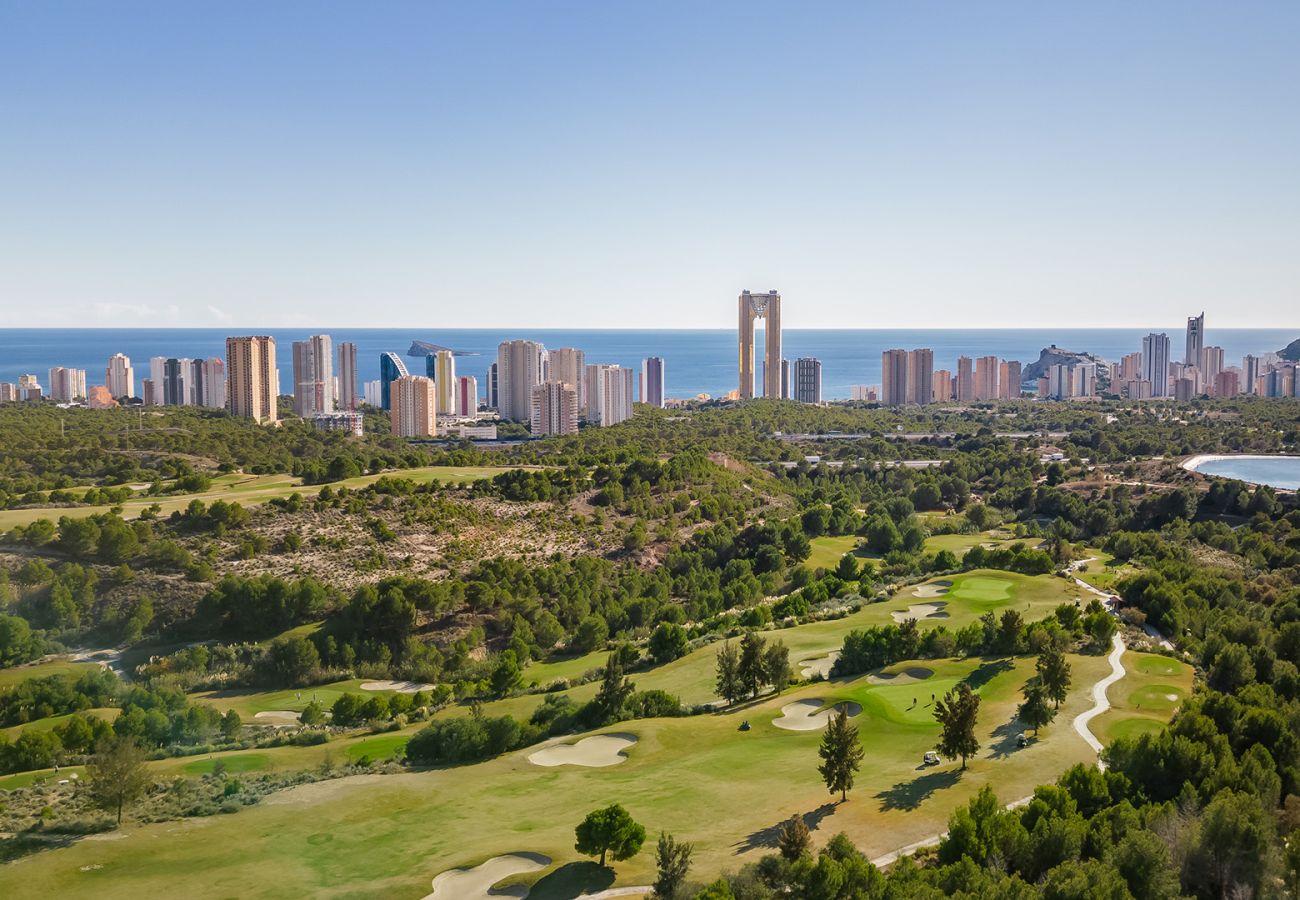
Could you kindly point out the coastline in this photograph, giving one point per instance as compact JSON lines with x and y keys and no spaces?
{"x":1192,"y":462}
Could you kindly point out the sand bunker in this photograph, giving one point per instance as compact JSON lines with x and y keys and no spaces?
{"x":932,"y":610}
{"x":910,"y":675}
{"x":476,"y":883}
{"x":597,"y":752}
{"x":933,"y":589}
{"x":402,"y":687}
{"x":818,"y":665}
{"x":810,"y":715}
{"x":278,"y":717}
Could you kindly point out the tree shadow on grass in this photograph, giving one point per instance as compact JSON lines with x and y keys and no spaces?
{"x":1005,"y":739}
{"x":572,"y":880}
{"x":766,"y":838}
{"x":908,"y":795}
{"x":987,"y":671}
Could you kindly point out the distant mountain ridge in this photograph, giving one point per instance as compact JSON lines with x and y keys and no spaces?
{"x":1291,"y":351}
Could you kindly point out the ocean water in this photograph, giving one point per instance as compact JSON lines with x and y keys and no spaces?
{"x":1281,"y":472}
{"x":696,"y":361}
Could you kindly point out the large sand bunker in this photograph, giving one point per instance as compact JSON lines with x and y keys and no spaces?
{"x":278,"y":717}
{"x":818,"y":665}
{"x":932,"y":610}
{"x":476,"y":883}
{"x":810,"y":715}
{"x":598,"y":751}
{"x":933,"y":589}
{"x":402,"y":687}
{"x":910,"y":675}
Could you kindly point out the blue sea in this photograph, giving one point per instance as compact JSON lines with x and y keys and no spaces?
{"x":696,"y":361}
{"x":1276,"y":471}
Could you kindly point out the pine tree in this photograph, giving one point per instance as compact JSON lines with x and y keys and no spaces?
{"x":794,"y":840}
{"x":614,"y":691}
{"x":729,"y":673}
{"x":1054,"y":672}
{"x":957,"y":712}
{"x":750,"y":672}
{"x":1035,"y":711}
{"x":841,"y":754}
{"x":776,"y":665}
{"x":672,"y":863}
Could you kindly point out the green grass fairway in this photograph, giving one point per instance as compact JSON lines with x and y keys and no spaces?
{"x":827,"y":551}
{"x":17,"y":674}
{"x":27,"y":779}
{"x":249,"y":490}
{"x":699,"y":777}
{"x":50,"y":723}
{"x":377,"y":747}
{"x":249,"y":703}
{"x":1145,"y":698}
{"x":245,"y":762}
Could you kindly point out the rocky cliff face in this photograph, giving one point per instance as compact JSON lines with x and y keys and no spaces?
{"x":1054,"y":356}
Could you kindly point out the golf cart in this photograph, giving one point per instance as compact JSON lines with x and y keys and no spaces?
{"x":930,"y":759}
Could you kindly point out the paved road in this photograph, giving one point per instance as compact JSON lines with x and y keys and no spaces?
{"x":1100,"y":703}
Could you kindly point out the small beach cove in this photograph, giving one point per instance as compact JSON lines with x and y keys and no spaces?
{"x":1276,"y":471}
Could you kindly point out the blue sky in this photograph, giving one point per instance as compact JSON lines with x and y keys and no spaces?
{"x":618,"y":164}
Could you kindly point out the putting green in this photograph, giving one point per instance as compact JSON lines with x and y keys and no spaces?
{"x":1145,"y":698}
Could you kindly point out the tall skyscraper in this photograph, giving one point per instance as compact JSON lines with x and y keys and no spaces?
{"x":313,"y":376}
{"x":1210,"y":364}
{"x":1130,"y":367}
{"x":1250,"y":372}
{"x":920,"y":376}
{"x":807,"y":380}
{"x":568,"y":365}
{"x":986,"y":378}
{"x":1009,"y":380}
{"x":391,"y":368}
{"x":251,"y":378}
{"x":760,"y":306}
{"x":372,"y":392}
{"x":943,"y":386}
{"x":466,"y":395}
{"x":493,"y":381}
{"x":1226,"y":384}
{"x":893,"y":377}
{"x":414,"y":406}
{"x":445,"y":380}
{"x":347,"y":376}
{"x":610,"y":393}
{"x":965,"y":380}
{"x":210,"y":382}
{"x":1155,"y":362}
{"x":520,"y":368}
{"x":158,"y":374}
{"x":66,"y":385}
{"x":119,"y":377}
{"x":554,"y":409}
{"x":150,"y":395}
{"x":176,"y":382}
{"x":1195,"y":341}
{"x":652,"y":381}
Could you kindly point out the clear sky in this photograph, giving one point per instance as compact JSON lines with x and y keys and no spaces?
{"x":606,"y":164}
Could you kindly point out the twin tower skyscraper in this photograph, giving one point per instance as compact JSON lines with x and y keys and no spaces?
{"x":768,"y":307}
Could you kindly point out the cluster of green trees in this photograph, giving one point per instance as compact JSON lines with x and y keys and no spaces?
{"x":881,"y":645}
{"x":757,"y":663}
